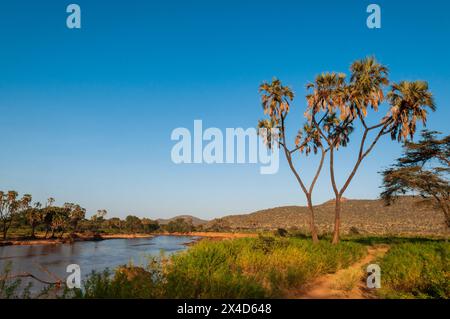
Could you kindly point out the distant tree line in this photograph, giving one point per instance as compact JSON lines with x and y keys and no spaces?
{"x":20,"y":216}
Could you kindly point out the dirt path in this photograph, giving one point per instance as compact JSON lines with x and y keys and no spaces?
{"x":348,"y":283}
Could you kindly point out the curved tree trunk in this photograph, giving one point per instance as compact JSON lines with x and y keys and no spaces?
{"x":337,"y":220}
{"x":312,"y":223}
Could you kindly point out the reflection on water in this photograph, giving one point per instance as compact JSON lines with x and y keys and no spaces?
{"x":44,"y":261}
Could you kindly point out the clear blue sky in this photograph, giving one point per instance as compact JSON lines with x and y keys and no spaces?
{"x":86,"y":115}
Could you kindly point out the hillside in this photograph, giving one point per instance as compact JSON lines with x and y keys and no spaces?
{"x":406,"y":216}
{"x":195,"y":221}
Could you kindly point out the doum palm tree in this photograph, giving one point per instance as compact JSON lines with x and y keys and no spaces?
{"x":276,"y":100}
{"x":336,"y":107}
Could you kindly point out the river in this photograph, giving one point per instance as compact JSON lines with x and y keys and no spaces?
{"x":50,"y":261}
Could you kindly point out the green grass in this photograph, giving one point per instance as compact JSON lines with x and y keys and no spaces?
{"x":241,"y":268}
{"x":417,"y":269}
{"x":254,"y":267}
{"x":267,"y":267}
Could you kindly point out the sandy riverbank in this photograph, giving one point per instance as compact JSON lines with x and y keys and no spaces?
{"x":66,"y":240}
{"x":212,"y":235}
{"x":83,"y":237}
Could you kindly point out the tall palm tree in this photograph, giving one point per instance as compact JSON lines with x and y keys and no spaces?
{"x":340,"y":106}
{"x":408,"y":101}
{"x":365,"y":90}
{"x":367,"y":82}
{"x":34,"y":217}
{"x":276,"y":100}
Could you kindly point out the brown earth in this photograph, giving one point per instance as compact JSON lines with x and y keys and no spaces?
{"x":348,"y":283}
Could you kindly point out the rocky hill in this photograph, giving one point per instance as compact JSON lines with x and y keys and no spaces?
{"x":407,"y":216}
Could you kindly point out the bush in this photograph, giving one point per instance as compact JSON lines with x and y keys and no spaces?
{"x":12,"y":288}
{"x":179,"y":225}
{"x":127,"y":282}
{"x":416,"y":270}
{"x":281,"y":232}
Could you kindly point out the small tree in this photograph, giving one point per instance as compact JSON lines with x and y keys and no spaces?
{"x":115,"y":223}
{"x":76,"y":214}
{"x":424,"y":167}
{"x":179,"y":225}
{"x":56,"y":219}
{"x":11,"y":207}
{"x":97,"y":220}
{"x":34,"y":216}
{"x":149,"y":225}
{"x":133,"y":223}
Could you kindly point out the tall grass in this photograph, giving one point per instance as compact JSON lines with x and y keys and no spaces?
{"x":240,"y":268}
{"x":416,"y":270}
{"x":254,"y":267}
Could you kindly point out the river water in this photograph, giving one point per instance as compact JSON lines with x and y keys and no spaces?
{"x":48,"y":262}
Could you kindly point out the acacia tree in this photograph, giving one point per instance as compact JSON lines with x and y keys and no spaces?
{"x":10,"y":207}
{"x":276,"y":100}
{"x":424,"y":167}
{"x":336,"y":106}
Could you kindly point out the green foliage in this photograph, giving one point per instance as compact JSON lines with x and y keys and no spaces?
{"x":416,"y":270}
{"x":179,"y":225}
{"x":254,"y":267}
{"x":18,"y":218}
{"x":241,"y":268}
{"x":424,"y":167}
{"x":127,"y":282}
{"x":281,"y":232}
{"x":12,"y":288}
{"x":266,"y":267}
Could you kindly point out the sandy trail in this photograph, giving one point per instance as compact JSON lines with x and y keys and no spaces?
{"x":328,"y":287}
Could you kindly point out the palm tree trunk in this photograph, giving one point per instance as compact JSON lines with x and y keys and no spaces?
{"x":337,"y":220}
{"x":312,"y":224}
{"x":32,"y":230}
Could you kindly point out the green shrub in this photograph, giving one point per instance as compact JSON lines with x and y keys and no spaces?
{"x":253,"y":267}
{"x":416,"y":270}
{"x":12,"y":288}
{"x":127,"y":282}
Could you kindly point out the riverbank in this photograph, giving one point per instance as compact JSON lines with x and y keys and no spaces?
{"x":67,"y":240}
{"x":84,"y":237}
{"x":212,"y":235}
